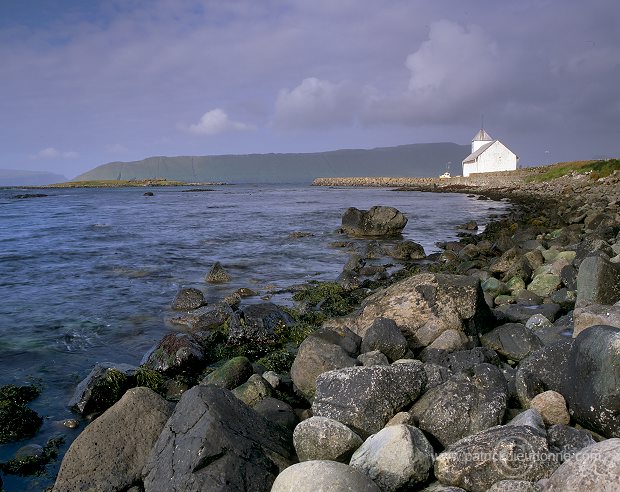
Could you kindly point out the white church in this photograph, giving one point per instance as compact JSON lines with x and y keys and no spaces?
{"x":488,"y":155}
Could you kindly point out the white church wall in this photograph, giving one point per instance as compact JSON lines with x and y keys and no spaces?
{"x":496,"y":158}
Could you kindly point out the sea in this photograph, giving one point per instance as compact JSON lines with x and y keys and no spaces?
{"x":88,"y":275}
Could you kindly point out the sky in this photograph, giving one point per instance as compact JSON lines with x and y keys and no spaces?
{"x":85,"y":82}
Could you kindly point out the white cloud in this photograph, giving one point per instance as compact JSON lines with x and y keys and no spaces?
{"x":317,"y":103}
{"x":53,"y":153}
{"x":217,"y":121}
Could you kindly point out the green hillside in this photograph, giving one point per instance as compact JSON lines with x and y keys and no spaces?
{"x":405,"y":160}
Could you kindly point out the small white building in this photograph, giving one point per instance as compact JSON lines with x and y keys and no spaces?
{"x":488,"y":155}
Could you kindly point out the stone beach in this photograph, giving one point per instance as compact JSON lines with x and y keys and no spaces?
{"x":492,"y":365}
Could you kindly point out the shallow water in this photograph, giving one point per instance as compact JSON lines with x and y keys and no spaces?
{"x":88,"y":275}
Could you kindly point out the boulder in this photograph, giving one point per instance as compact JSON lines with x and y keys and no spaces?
{"x":407,"y":250}
{"x":385,"y":336}
{"x":567,"y":441}
{"x":322,"y":351}
{"x":365,"y":398}
{"x":396,"y":458}
{"x":461,"y":360}
{"x":590,"y":385}
{"x":598,"y":281}
{"x":323,"y":476}
{"x":111,"y":451}
{"x":449,"y":340}
{"x":213,"y":441}
{"x":205,"y":318}
{"x":322,"y":438}
{"x":544,"y":369}
{"x":374,"y":358}
{"x":594,"y":468}
{"x":428,"y":302}
{"x":217,"y":274}
{"x":464,"y":405}
{"x":552,"y":407}
{"x":512,"y":340}
{"x":104,"y":386}
{"x":595,"y":314}
{"x":531,"y":418}
{"x":175,"y":353}
{"x":439,"y":487}
{"x":187,"y":299}
{"x":514,"y":486}
{"x":231,"y":374}
{"x":253,"y":390}
{"x":544,"y":284}
{"x":520,"y":313}
{"x":257,"y":323}
{"x":277,"y":411}
{"x":494,"y":287}
{"x":377,"y":221}
{"x":477,"y":462}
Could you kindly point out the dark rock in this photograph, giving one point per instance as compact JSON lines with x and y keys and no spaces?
{"x":187,"y":299}
{"x":464,"y":405}
{"x":175,"y":353}
{"x":568,"y":275}
{"x":407,"y":250}
{"x":518,"y":313}
{"x":477,"y":462}
{"x":374,"y":250}
{"x":213,"y":441}
{"x":542,"y":370}
{"x":323,"y":475}
{"x":253,"y":391}
{"x":365,"y":398}
{"x":395,"y":458}
{"x":321,"y":438}
{"x":322,"y":351}
{"x":598,"y":281}
{"x":17,"y":421}
{"x":277,"y":411}
{"x":471,"y":225}
{"x":205,"y":318}
{"x":233,"y":373}
{"x":436,"y":375}
{"x":245,"y":292}
{"x":373,"y":358}
{"x":591,"y":383}
{"x":385,"y":336}
{"x":532,"y":418}
{"x":257,"y":323}
{"x":110,"y":452}
{"x":377,"y":221}
{"x":461,"y":360}
{"x":29,"y":195}
{"x":564,"y":298}
{"x":217,"y":274}
{"x":594,"y":468}
{"x":104,"y":386}
{"x":567,"y":441}
{"x":512,"y":340}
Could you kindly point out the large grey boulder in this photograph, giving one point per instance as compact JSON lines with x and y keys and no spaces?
{"x":322,"y":351}
{"x":598,"y":281}
{"x":397,"y":457}
{"x":464,"y":405}
{"x":544,"y":369}
{"x":111,"y":451}
{"x":366,"y":398}
{"x":104,"y":386}
{"x":594,"y":468}
{"x":425,"y":305}
{"x":323,"y":476}
{"x":257,"y":323}
{"x":512,"y":340}
{"x":213,"y":441}
{"x":321,"y":438}
{"x":591,"y":383}
{"x":384,"y":335}
{"x":477,"y":462}
{"x":377,"y":221}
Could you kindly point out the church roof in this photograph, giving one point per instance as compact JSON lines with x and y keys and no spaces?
{"x":482,"y":136}
{"x":472,"y":157}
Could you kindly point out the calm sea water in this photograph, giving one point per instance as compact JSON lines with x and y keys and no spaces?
{"x":88,"y":275}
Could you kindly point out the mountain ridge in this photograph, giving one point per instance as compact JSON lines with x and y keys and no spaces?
{"x":16,"y":177}
{"x":421,"y":160}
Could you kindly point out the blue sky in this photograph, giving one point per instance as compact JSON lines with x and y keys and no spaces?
{"x":87,"y":82}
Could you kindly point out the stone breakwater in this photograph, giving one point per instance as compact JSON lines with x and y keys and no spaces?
{"x":490,"y":366}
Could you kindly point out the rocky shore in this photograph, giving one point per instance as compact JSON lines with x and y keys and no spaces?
{"x":493,"y":365}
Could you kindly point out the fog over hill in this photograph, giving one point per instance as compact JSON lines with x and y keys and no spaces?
{"x":419,"y":160}
{"x":15,"y":177}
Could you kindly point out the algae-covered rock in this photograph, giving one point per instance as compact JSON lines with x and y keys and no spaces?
{"x":231,"y":374}
{"x":544,"y":284}
{"x":17,"y":421}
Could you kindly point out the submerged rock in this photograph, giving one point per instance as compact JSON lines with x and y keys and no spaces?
{"x":17,"y":421}
{"x":217,"y":274}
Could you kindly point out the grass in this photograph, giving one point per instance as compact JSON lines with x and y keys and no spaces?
{"x":596,"y":169}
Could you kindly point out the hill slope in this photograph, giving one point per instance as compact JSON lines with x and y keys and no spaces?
{"x":14,"y":177}
{"x":405,"y":160}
